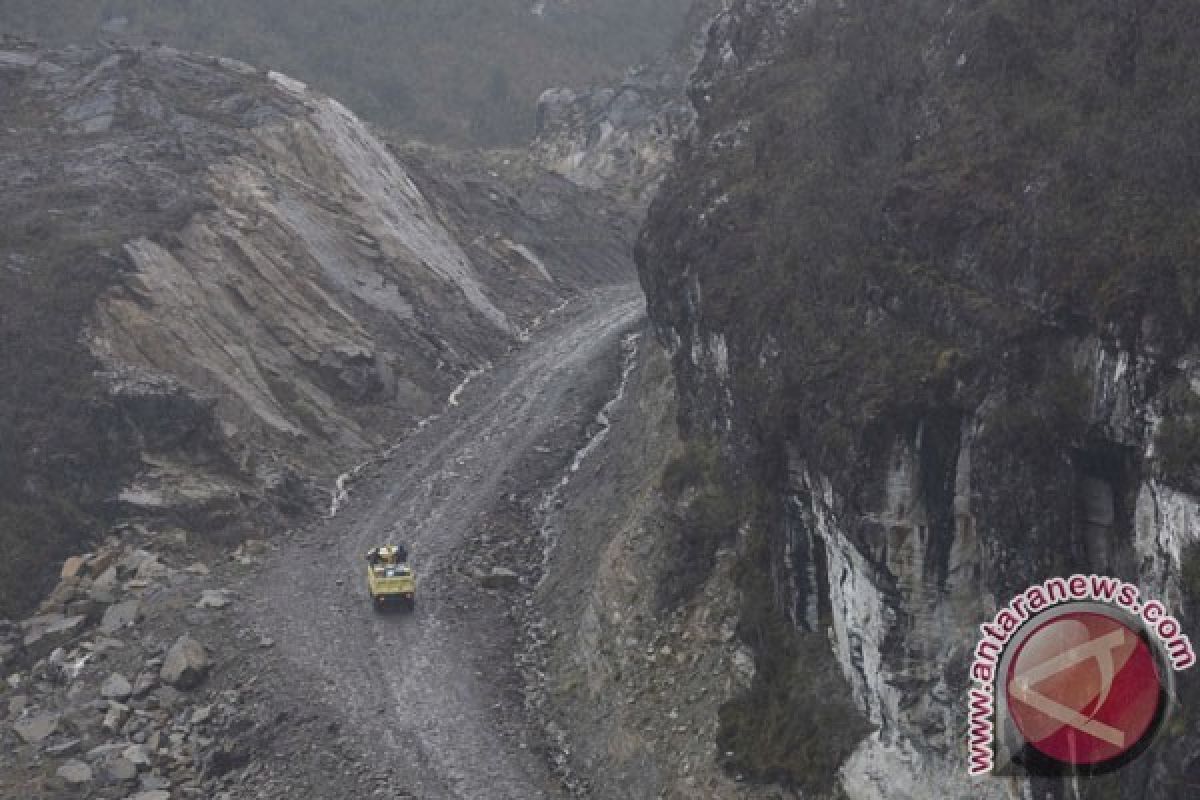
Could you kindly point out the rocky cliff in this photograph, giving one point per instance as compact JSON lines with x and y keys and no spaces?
{"x":248,"y":288}
{"x":928,"y":276}
{"x":621,"y":138}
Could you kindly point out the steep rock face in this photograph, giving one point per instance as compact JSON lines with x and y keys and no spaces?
{"x":621,"y":138}
{"x":929,"y":279}
{"x":248,"y":285}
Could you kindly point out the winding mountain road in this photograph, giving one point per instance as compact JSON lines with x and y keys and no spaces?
{"x":423,"y":688}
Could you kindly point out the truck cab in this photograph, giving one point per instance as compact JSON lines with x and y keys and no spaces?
{"x":390,"y":579}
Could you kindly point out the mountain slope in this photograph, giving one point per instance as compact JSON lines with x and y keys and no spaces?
{"x":249,"y":288}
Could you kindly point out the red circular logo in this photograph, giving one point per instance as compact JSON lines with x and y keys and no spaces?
{"x":1084,"y":688}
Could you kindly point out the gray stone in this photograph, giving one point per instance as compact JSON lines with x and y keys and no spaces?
{"x":75,"y":772}
{"x":17,"y":704}
{"x":104,"y":751}
{"x":93,"y":114}
{"x":151,"y":782}
{"x":121,"y":615}
{"x":65,"y":748}
{"x":120,"y":770}
{"x":50,"y":631}
{"x":136,"y":755}
{"x":34,"y":729}
{"x":132,"y":561}
{"x":186,"y":664}
{"x":214,"y":598}
{"x":115,"y":717}
{"x":11,"y":60}
{"x":168,"y":697}
{"x":145,"y":683}
{"x":117,"y":687}
{"x":151,"y":569}
{"x":106,"y":581}
{"x":115,"y":25}
{"x":152,"y":794}
{"x":500,"y":578}
{"x":201,"y":715}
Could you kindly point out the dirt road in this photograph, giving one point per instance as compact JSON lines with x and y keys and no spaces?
{"x":432,"y":691}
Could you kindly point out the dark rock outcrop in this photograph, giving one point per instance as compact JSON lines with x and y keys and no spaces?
{"x":928,"y":275}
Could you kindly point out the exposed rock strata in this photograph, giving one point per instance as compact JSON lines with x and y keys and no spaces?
{"x":262,"y":290}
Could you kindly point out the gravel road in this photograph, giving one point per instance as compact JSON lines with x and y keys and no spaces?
{"x":431,"y":691}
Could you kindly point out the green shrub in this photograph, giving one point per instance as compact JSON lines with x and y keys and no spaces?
{"x":797,"y":723}
{"x":702,"y":522}
{"x":1189,"y":574}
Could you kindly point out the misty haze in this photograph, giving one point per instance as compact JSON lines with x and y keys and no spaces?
{"x":634,"y":399}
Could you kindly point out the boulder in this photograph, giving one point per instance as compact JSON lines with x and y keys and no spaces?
{"x":72,"y":567}
{"x":145,"y":683}
{"x":152,"y":794}
{"x":120,"y":616}
{"x":88,"y":607}
{"x":102,"y":562}
{"x":115,"y":717}
{"x":214,"y":598}
{"x":186,"y":665}
{"x":16,"y":704}
{"x":105,"y":580}
{"x":117,"y":687}
{"x":132,"y":562}
{"x":201,"y":715}
{"x":500,"y":578}
{"x":36,"y":728}
{"x":69,"y":747}
{"x":151,"y":782}
{"x":120,"y":770}
{"x":8,"y":653}
{"x":75,"y":772}
{"x":47,"y":632}
{"x":151,"y":569}
{"x":137,"y":755}
{"x":103,"y":752}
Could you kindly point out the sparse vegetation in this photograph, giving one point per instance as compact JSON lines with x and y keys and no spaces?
{"x":797,"y":723}
{"x":1177,"y":442}
{"x":59,"y":459}
{"x":706,"y":519}
{"x":1189,"y":574}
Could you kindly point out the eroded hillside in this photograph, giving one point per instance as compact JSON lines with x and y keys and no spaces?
{"x":248,"y":288}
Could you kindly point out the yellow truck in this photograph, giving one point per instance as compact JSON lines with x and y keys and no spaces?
{"x":390,"y":579}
